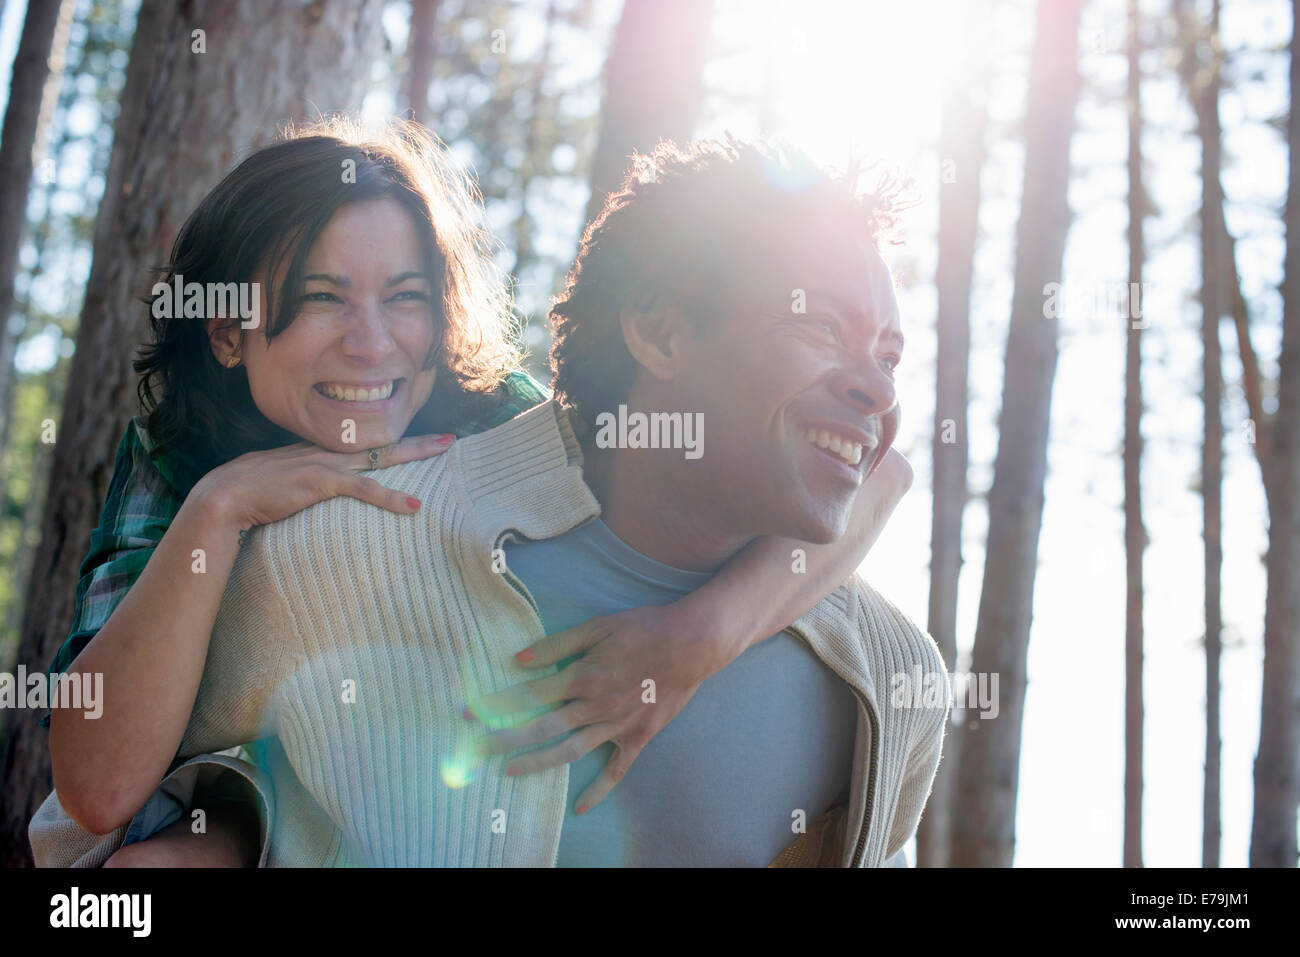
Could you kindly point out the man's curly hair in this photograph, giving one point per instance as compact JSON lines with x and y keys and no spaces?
{"x":681,"y":229}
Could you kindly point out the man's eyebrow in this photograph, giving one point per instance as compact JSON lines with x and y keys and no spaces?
{"x":842,"y":306}
{"x":889,"y":337}
{"x":413,"y":274}
{"x":326,"y":277}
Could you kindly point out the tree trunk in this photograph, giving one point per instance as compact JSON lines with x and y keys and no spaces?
{"x":30,"y":100}
{"x":961,"y":158}
{"x":1134,"y":533}
{"x":33,"y":509}
{"x":424,"y":18}
{"x":1213,"y":271}
{"x":54,"y":385}
{"x":1277,"y":777}
{"x":186,"y":117}
{"x":1252,"y":378}
{"x":984,"y":833}
{"x":654,"y":79}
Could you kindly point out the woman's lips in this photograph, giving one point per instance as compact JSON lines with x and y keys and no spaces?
{"x":357,"y":392}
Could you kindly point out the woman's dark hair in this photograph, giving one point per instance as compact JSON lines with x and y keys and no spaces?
{"x":687,"y":226}
{"x":267,"y":213}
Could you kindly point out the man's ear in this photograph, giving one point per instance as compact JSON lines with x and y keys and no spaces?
{"x":225,"y":338}
{"x":656,"y":338}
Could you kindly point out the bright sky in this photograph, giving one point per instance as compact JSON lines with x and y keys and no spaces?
{"x":867,"y":74}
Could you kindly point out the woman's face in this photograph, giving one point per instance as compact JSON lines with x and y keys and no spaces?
{"x":347,"y":374}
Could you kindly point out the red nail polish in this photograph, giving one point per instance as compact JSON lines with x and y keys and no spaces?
{"x":583,"y":808}
{"x":412,"y":502}
{"x":467,"y":714}
{"x":513,"y":771}
{"x":444,"y":439}
{"x":525,"y":656}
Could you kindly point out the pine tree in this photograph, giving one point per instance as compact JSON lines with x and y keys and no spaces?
{"x":190,"y":107}
{"x":989,"y":771}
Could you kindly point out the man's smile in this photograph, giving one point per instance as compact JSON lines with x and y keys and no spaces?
{"x":845,"y":446}
{"x":848,"y":447}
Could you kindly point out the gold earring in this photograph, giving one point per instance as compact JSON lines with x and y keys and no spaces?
{"x":232,"y":361}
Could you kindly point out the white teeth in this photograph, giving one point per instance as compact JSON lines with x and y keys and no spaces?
{"x":849,"y":451}
{"x":353,"y":394}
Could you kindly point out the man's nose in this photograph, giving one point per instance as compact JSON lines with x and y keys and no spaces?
{"x":367,"y":336}
{"x":866,"y":386}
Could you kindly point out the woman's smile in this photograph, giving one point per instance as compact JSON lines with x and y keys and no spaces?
{"x":372,"y":395}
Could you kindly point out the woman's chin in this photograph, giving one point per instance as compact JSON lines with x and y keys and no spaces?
{"x":355,"y":439}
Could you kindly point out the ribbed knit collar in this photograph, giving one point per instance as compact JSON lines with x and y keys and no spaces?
{"x":534,"y":456}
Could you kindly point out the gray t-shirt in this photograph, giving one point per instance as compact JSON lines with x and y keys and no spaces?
{"x":769,"y":735}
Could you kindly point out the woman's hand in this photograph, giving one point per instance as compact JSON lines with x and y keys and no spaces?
{"x":640,"y":668}
{"x":263,"y":487}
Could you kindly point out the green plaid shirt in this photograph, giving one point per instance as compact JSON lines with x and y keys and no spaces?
{"x":143,"y":499}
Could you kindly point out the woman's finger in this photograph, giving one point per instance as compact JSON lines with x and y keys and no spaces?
{"x":407,"y":450}
{"x":575,"y":746}
{"x":542,"y":728}
{"x":563,"y":644}
{"x":610,"y":774}
{"x":521,"y":697}
{"x":368,"y":490}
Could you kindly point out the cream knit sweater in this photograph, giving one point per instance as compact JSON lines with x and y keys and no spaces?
{"x":355,"y":636}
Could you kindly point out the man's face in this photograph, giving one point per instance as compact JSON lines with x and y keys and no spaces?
{"x":794,"y":381}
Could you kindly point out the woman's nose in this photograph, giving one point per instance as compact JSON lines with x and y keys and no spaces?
{"x":367,"y":336}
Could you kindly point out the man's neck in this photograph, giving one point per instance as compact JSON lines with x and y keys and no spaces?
{"x":646,"y":503}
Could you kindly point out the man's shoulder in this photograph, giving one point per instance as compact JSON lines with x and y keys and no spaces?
{"x":875,"y":607}
{"x":860,"y":609}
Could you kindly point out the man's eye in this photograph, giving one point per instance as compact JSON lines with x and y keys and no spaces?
{"x":891,"y":362}
{"x":823,"y":324}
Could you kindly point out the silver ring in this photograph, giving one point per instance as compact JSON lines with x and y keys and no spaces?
{"x":373,"y":456}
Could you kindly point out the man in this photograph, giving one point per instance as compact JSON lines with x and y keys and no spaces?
{"x":738,"y":296}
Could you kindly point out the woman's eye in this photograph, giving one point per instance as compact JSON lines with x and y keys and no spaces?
{"x":891,"y":362}
{"x":320,"y":297}
{"x":410,"y":295}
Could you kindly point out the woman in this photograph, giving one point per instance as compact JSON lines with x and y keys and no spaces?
{"x":381,"y":319}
